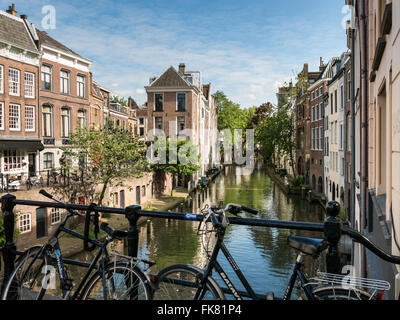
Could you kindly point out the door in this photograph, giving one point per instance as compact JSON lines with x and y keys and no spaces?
{"x":137,"y":195}
{"x":122,"y":199}
{"x":40,"y":223}
{"x":32,"y":164}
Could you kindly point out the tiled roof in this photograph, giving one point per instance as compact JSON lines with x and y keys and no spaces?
{"x":170,"y":78}
{"x":13,"y":31}
{"x":49,"y":41}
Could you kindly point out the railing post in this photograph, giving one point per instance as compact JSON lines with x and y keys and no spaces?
{"x":9,"y":250}
{"x":132,"y":214}
{"x":332,"y":231}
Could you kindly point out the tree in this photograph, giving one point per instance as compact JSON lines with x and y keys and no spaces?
{"x":179,"y":158}
{"x":122,"y":101}
{"x":105,"y":157}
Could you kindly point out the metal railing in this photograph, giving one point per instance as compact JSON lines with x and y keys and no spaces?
{"x":11,"y":182}
{"x":332,"y":229}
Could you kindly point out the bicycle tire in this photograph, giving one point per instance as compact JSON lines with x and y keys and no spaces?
{"x":137,"y":281}
{"x":340,"y":293}
{"x":181,"y":282}
{"x":27,"y":280}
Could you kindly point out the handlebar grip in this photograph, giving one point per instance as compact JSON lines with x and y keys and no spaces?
{"x":249,"y":210}
{"x":46,"y":194}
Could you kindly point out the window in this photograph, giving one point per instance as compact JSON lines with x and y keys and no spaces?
{"x":158,"y":123}
{"x":80,"y":86}
{"x":29,"y":118}
{"x":64,"y":81}
{"x":46,"y":77}
{"x":321,"y":91}
{"x":349,"y":86}
{"x":65,"y":122}
{"x":1,"y":79}
{"x":312,"y":114}
{"x":1,"y":116}
{"x":317,"y":138}
{"x":181,"y":100}
{"x":321,"y":137}
{"x":48,"y":160}
{"x":13,"y":82}
{"x":317,"y":113}
{"x":341,"y":97}
{"x":336,"y":100}
{"x":25,"y":223}
{"x":14,"y":117}
{"x":180,"y":123}
{"x":331,"y":103}
{"x":55,"y":215}
{"x":312,"y":139}
{"x":82,"y":118}
{"x":47,"y":121}
{"x":321,"y":108}
{"x":29,"y":85}
{"x":341,"y":136}
{"x":159,"y":102}
{"x":13,"y":160}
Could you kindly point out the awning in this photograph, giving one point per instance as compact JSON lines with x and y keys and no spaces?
{"x":21,"y":145}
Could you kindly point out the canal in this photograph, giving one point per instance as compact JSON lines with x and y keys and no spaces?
{"x":261,"y":253}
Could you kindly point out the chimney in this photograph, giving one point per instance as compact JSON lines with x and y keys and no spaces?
{"x":321,"y":65}
{"x":24,"y":17}
{"x":11,"y":10}
{"x":182,"y":68}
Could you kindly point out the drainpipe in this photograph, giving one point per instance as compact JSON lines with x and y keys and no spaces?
{"x":353,"y":137}
{"x":364,"y":124}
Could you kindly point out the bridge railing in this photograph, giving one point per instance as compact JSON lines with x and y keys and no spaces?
{"x":332,"y":229}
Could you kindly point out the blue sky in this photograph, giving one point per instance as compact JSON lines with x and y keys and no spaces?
{"x":244,"y":48}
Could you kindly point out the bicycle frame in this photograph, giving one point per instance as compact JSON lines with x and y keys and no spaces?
{"x":249,"y":293}
{"x":53,"y":244}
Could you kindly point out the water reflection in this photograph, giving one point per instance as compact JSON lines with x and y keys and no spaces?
{"x":261,"y":253}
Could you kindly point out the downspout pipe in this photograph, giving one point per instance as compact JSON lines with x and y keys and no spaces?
{"x":364,"y":119}
{"x":353,"y":136}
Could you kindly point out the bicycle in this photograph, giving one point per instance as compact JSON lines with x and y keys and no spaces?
{"x":183,"y":282}
{"x":35,"y":277}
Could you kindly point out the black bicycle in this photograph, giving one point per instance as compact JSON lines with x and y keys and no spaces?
{"x":187,"y":282}
{"x":41,"y":274}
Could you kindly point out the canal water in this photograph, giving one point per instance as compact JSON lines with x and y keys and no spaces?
{"x":261,"y":253}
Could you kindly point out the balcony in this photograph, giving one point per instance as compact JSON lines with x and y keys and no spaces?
{"x":118,"y":108}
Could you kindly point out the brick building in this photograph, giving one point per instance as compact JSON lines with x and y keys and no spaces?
{"x":19,"y":98}
{"x":303,"y":121}
{"x":64,"y":97}
{"x":177,"y":101}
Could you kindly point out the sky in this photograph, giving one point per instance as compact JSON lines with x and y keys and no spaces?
{"x":246,"y":49}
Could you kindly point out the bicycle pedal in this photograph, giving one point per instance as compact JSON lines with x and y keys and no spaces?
{"x":270,"y":296}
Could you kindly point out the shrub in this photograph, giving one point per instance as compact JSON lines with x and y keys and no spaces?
{"x":297,"y":182}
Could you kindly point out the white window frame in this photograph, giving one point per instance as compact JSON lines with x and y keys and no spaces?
{"x":177,"y":124}
{"x":18,"y":128}
{"x":81,"y":86}
{"x":55,"y":216}
{"x":25,"y":223}
{"x":11,"y":81}
{"x":31,"y":86}
{"x":2,"y":116}
{"x":32,"y":118}
{"x":63,"y":129}
{"x":62,"y":82}
{"x":154,"y":121}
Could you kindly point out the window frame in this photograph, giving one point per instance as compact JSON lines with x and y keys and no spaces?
{"x":155,"y":102}
{"x":47,"y":161}
{"x":62,"y":82}
{"x":24,"y":220}
{"x":18,"y":72}
{"x":33,"y":118}
{"x":177,"y":102}
{"x":50,"y":74}
{"x":79,"y":84}
{"x":27,"y":85}
{"x":2,"y":116}
{"x":19,"y":116}
{"x":1,"y":78}
{"x":62,"y":123}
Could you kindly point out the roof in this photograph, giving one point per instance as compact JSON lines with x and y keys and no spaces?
{"x":14,"y":32}
{"x":170,"y":78}
{"x":45,"y":39}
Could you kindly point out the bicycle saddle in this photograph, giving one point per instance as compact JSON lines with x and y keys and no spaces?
{"x":309,"y":246}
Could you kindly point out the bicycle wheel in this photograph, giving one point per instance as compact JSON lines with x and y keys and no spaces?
{"x":122,"y":282}
{"x":339,"y":293}
{"x":30,"y":278}
{"x":182,"y":282}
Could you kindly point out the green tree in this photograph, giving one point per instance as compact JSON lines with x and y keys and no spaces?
{"x":105,"y":157}
{"x":179,"y":158}
{"x":122,"y":101}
